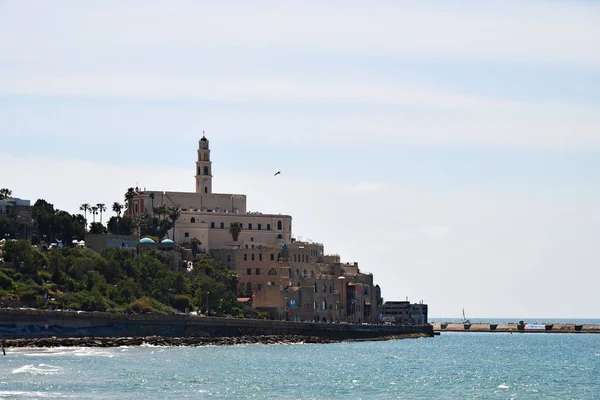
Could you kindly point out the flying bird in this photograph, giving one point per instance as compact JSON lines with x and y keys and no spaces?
{"x":277,"y":173}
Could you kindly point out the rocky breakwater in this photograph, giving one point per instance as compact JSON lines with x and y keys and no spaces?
{"x":183,"y":341}
{"x":159,"y":341}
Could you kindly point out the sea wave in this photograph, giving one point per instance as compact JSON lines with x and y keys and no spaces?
{"x":41,"y":369}
{"x":16,"y":394}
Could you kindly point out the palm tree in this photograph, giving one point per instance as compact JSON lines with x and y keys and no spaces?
{"x":152,"y":199}
{"x":128,"y":197}
{"x":85,"y":207}
{"x":235,"y":229}
{"x":5,"y":194}
{"x":94,"y":210}
{"x":101,"y":209}
{"x":173,"y":213}
{"x":117,"y":208}
{"x":162,"y":210}
{"x":195,"y":242}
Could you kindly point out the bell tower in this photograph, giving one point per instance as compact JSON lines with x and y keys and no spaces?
{"x":203,"y":167}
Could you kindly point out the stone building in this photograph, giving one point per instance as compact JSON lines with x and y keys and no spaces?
{"x":290,"y":279}
{"x":207,"y":216}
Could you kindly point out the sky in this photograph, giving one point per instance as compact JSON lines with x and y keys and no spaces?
{"x":451,"y":148}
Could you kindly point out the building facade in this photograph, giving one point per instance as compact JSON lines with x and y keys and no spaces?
{"x":293,"y":280}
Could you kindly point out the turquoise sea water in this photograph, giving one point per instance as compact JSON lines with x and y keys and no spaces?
{"x":450,"y":366}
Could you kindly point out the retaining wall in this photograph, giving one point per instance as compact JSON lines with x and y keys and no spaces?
{"x":38,"y":323}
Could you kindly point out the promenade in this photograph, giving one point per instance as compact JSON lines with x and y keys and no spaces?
{"x":516,"y":328}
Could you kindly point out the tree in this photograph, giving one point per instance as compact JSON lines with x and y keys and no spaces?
{"x":96,"y":228}
{"x":129,"y":195}
{"x":101,"y":209}
{"x":174,"y":214}
{"x":85,"y":207}
{"x":5,"y":194}
{"x":117,"y":208}
{"x":120,"y":226}
{"x":94,"y":213}
{"x":235,"y":229}
{"x":152,"y":199}
{"x":195,"y":242}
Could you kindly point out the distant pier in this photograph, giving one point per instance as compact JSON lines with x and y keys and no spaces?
{"x":515,"y":327}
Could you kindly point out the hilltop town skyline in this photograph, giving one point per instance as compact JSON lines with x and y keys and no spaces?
{"x":461,"y":167}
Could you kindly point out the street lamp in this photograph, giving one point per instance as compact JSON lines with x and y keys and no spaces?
{"x":207,"y":310}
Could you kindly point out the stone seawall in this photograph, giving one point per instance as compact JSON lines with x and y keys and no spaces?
{"x":70,"y":324}
{"x":517,"y":328}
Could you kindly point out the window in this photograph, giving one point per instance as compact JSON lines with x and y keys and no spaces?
{"x":280,"y":236}
{"x":193,"y":220}
{"x":249,"y":226}
{"x":252,"y":257}
{"x":248,"y":271}
{"x":241,"y":226}
{"x":295,"y":258}
{"x":330,"y":289}
{"x":222,"y":225}
{"x":260,"y":257}
{"x":187,"y":234}
{"x":259,"y":227}
{"x":315,"y":288}
{"x":268,"y":227}
{"x":272,"y":271}
{"x":279,"y":225}
{"x":205,"y":170}
{"x":252,"y":239}
{"x":205,"y":189}
{"x":258,"y":287}
{"x":257,"y":271}
{"x":324,"y":289}
{"x":249,"y":287}
{"x":228,"y":258}
{"x":212,"y":225}
{"x":272,"y":257}
{"x":245,"y":257}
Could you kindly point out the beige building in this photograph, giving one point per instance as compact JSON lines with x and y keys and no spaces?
{"x":291,"y":279}
{"x":207,"y":216}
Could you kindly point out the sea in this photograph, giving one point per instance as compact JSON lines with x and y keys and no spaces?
{"x":450,"y":366}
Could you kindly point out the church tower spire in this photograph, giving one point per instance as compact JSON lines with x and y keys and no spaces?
{"x":203,"y":167}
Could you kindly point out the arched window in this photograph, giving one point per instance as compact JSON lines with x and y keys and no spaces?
{"x":279,"y":225}
{"x":205,"y":170}
{"x":324,"y":304}
{"x":193,"y":220}
{"x":272,"y":271}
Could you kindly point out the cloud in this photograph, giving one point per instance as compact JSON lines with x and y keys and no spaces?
{"x":543,"y":30}
{"x":434,"y":231}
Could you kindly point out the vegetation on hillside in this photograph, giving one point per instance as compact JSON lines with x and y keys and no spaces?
{"x":116,"y":280}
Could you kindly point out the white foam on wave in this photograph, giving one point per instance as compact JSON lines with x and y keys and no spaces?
{"x":503,"y":387}
{"x":14,"y":394}
{"x":66,"y":351}
{"x":41,"y":369}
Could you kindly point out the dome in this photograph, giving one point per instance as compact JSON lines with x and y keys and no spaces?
{"x":168,"y":241}
{"x":204,"y":139}
{"x":146,"y":240}
{"x":285,"y":246}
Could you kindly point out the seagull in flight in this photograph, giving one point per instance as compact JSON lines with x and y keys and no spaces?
{"x":277,"y":173}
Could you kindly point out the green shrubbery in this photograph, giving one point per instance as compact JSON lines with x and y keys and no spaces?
{"x":116,"y":280}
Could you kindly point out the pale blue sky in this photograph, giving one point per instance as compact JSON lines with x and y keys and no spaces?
{"x":443,"y":145}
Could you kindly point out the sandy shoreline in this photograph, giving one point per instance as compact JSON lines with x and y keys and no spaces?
{"x":183,"y":341}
